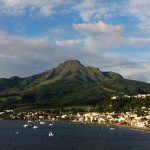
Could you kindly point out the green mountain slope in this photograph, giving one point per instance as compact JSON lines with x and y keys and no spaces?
{"x":69,"y":83}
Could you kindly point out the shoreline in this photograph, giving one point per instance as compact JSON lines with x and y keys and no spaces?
{"x":134,"y":128}
{"x":146,"y":129}
{"x":120,"y":126}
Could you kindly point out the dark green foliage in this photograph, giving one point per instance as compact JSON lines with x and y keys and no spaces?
{"x":125,"y":104}
{"x":8,"y":83}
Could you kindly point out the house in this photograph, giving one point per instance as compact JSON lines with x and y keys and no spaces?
{"x":8,"y":111}
{"x":142,"y":95}
{"x":141,"y":123}
{"x":91,"y":117}
{"x":101,"y":120}
{"x":114,"y":97}
{"x":64,"y":116}
{"x":81,"y":119}
{"x":127,"y":96}
{"x":121,"y":119}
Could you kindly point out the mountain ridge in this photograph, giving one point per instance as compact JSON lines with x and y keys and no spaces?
{"x":69,"y":83}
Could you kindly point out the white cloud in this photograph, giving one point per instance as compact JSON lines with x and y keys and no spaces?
{"x":88,"y":8}
{"x":136,"y":71}
{"x":25,"y":56}
{"x":95,"y":10}
{"x":98,"y":27}
{"x":30,"y":55}
{"x":103,"y":42}
{"x":140,"y":9}
{"x":15,"y":7}
{"x":101,"y":52}
{"x":69,"y":43}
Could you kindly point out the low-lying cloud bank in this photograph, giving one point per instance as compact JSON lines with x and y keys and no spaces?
{"x":25,"y":56}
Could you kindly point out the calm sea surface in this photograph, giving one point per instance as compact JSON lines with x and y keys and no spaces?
{"x":71,"y":137}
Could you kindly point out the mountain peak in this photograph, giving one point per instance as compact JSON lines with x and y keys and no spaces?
{"x":72,"y":63}
{"x":71,"y":66}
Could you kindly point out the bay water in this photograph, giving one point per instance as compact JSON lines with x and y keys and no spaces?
{"x":13,"y":136}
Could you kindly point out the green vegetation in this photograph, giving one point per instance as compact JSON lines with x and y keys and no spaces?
{"x":68,"y":84}
{"x":122,"y":105}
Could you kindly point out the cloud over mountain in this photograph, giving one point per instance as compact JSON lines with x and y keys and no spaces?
{"x":114,"y":35}
{"x":98,"y":27}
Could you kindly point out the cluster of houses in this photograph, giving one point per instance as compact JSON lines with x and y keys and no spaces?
{"x":24,"y":115}
{"x":131,"y":118}
{"x":123,"y":119}
{"x":130,"y":96}
{"x":34,"y":115}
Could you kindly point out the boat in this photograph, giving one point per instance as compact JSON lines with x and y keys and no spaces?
{"x":50,"y":134}
{"x":42,"y":122}
{"x":28,"y":124}
{"x":17,"y":132}
{"x":35,"y":127}
{"x":112,"y":128}
{"x":51,"y":124}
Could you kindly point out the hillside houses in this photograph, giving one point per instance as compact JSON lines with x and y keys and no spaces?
{"x":127,"y":119}
{"x":130,"y":96}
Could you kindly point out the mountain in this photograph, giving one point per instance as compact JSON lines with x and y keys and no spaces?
{"x":69,"y":83}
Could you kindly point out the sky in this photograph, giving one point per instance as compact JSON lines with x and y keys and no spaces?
{"x":36,"y":35}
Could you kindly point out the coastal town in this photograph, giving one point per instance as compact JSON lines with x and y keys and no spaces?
{"x":126,"y":119}
{"x":132,"y":118}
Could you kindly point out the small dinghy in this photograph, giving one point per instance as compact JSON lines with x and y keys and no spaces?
{"x":17,"y":132}
{"x":50,"y":134}
{"x":35,"y":127}
{"x":50,"y":124}
{"x":112,"y":128}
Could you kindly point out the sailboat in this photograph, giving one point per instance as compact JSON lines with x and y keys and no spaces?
{"x":50,"y":134}
{"x":17,"y":132}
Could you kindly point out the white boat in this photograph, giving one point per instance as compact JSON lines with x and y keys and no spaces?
{"x":50,"y":134}
{"x":112,"y":128}
{"x":42,"y":122}
{"x":28,"y":124}
{"x":25,"y":125}
{"x":17,"y":132}
{"x":50,"y":124}
{"x":35,"y":127}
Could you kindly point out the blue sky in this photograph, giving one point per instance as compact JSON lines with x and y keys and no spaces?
{"x":113,"y":35}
